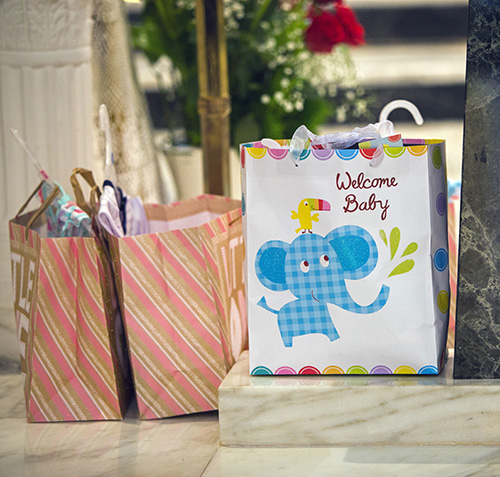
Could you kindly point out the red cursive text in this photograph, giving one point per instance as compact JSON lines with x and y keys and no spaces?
{"x":353,"y":204}
{"x":364,"y":183}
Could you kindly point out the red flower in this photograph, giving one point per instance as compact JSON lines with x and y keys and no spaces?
{"x":353,"y":30}
{"x":330,"y":25}
{"x":324,"y":32}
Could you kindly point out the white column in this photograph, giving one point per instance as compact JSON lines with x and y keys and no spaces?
{"x":46,"y":94}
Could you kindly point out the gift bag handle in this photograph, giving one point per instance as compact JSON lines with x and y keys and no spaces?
{"x":77,"y":189}
{"x":23,"y":207}
{"x":95,"y":195}
{"x":403,"y":104}
{"x":45,"y":205}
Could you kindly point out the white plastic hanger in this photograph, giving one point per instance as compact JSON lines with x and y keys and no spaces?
{"x":109,"y":166}
{"x":404,"y":104}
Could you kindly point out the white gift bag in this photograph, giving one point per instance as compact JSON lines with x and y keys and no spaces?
{"x":346,"y":259}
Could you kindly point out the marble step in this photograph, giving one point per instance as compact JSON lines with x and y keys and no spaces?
{"x":288,"y":411}
{"x":392,"y":21}
{"x":432,"y":76}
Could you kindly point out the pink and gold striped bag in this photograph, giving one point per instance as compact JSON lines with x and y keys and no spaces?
{"x":72,"y":356}
{"x":182,"y":292}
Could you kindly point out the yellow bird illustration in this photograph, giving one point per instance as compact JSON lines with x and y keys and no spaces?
{"x":304,"y":213}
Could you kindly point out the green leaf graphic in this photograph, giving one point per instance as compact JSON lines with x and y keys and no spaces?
{"x":383,"y":236}
{"x":395,"y":237}
{"x":412,"y":248}
{"x":403,"y":267}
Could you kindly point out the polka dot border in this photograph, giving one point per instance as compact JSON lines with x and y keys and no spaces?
{"x":257,"y":150}
{"x":285,"y":370}
{"x":394,"y":152}
{"x":278,"y":154}
{"x":346,"y":154}
{"x":333,"y":370}
{"x":443,"y":301}
{"x":309,"y":370}
{"x":353,"y":370}
{"x":323,"y":154}
{"x":437,"y":157}
{"x":440,"y":260}
{"x":441,"y":204}
{"x":261,"y":371}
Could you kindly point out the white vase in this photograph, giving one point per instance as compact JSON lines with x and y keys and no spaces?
{"x":46,"y":94}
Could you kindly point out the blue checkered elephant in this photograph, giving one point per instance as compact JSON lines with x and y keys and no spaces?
{"x":314,"y":269}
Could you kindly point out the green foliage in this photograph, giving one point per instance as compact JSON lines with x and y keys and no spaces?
{"x":276,"y":84}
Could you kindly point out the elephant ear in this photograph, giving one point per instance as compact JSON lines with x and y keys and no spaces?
{"x":270,"y":265}
{"x":356,"y":251}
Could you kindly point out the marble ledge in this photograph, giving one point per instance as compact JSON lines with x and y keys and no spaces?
{"x":189,"y":446}
{"x":357,"y":410}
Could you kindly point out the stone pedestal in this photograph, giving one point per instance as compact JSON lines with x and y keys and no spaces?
{"x":357,"y":410}
{"x":478,"y":308}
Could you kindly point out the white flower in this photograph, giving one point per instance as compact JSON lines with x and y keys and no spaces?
{"x":285,"y":83}
{"x":304,"y":55}
{"x":350,"y":95}
{"x":341,"y":114}
{"x":332,"y":90}
{"x":271,"y":43}
{"x":265,"y":99}
{"x":186,"y":4}
{"x":360,"y":107}
{"x":279,"y":96}
{"x":280,"y":59}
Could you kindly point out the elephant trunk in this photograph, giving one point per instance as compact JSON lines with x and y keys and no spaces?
{"x":350,"y":305}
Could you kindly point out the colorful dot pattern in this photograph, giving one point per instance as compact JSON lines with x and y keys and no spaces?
{"x":441,"y":204}
{"x":278,"y":154}
{"x":443,"y":301}
{"x":394,"y":151}
{"x":257,"y":150}
{"x":437,"y":158}
{"x":417,"y":150}
{"x":355,"y":369}
{"x":381,"y":370}
{"x":440,"y":259}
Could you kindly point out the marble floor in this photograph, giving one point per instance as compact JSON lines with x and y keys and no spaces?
{"x":189,"y":446}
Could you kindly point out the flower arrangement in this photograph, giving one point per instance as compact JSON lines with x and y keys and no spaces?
{"x":288,"y":62}
{"x":332,"y":23}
